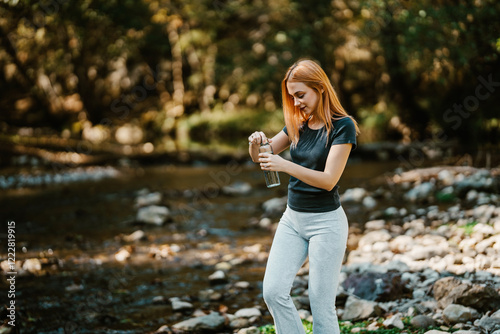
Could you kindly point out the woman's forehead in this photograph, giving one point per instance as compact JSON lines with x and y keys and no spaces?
{"x":295,"y":86}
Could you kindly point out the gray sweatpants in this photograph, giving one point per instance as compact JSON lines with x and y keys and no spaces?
{"x":323,"y":236}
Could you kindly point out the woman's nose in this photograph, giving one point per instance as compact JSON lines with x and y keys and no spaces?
{"x":296,"y":102}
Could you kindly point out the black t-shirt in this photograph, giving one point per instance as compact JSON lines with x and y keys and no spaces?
{"x":311,"y":152}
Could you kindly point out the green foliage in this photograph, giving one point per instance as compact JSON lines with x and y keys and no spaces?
{"x":164,"y":64}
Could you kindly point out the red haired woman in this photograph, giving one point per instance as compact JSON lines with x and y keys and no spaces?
{"x":320,"y":135}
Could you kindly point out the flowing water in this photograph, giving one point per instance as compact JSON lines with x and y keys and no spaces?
{"x":77,"y":228}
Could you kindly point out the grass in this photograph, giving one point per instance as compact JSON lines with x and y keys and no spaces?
{"x":469,"y":227}
{"x":347,"y":328}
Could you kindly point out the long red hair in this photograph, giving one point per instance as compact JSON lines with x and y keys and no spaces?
{"x":329,"y":108}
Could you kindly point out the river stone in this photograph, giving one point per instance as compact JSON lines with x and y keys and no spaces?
{"x":249,"y":330}
{"x":135,"y":236}
{"x":369,"y":202}
{"x":435,"y":331}
{"x":450,"y":290}
{"x":359,"y":309}
{"x":375,"y":286}
{"x":420,"y":192}
{"x":212,"y":322}
{"x":275,"y":206}
{"x":372,"y":237}
{"x":153,"y":214}
{"x":489,"y":324}
{"x":179,"y":305}
{"x":237,"y":188}
{"x":469,"y":332}
{"x":248,"y":313}
{"x":239,"y":323}
{"x":455,"y":314}
{"x":353,"y":195}
{"x":209,"y":295}
{"x":148,"y":199}
{"x":33,"y":265}
{"x":394,"y":321}
{"x":218,"y":277}
{"x":422,"y":321}
{"x":163,"y":330}
{"x":374,"y":225}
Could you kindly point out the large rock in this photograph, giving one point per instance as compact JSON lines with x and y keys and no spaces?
{"x":454,"y":314}
{"x":375,"y":286}
{"x":450,"y":290}
{"x":359,"y":309}
{"x":212,"y":322}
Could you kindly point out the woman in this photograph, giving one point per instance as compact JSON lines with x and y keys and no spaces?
{"x":320,"y":135}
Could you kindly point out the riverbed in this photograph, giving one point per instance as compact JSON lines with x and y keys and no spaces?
{"x":77,"y":228}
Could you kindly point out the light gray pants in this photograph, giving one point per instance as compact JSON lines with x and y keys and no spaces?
{"x":323,"y":236}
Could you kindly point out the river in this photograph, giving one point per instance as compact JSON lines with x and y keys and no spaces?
{"x":76,"y":229}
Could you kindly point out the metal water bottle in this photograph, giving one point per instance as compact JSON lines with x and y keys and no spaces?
{"x":272,"y":177}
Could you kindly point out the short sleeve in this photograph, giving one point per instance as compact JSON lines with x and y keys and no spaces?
{"x":344,"y":132}
{"x":285,"y":130}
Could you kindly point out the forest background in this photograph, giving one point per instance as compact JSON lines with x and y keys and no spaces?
{"x":106,"y":77}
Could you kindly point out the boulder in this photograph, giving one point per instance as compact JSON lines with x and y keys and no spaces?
{"x":359,"y":309}
{"x":450,"y":290}
{"x":212,"y":322}
{"x":376,"y":286}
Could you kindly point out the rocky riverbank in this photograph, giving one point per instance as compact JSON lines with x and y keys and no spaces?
{"x":436,"y":267}
{"x":423,"y":252}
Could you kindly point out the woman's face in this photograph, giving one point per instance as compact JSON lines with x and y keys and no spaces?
{"x":304,"y":97}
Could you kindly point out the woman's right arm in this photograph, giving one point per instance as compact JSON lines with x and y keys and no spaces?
{"x":279,"y":143}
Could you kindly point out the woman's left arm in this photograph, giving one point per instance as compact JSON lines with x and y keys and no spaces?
{"x":327,"y":179}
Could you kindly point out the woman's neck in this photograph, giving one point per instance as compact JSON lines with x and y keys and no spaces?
{"x":314,"y":123}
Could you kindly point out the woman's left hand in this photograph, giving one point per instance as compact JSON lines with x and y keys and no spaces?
{"x":271,"y":162}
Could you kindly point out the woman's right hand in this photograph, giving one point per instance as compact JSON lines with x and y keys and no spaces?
{"x":257,"y":138}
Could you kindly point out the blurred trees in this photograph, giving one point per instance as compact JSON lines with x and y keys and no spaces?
{"x":160,"y":71}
